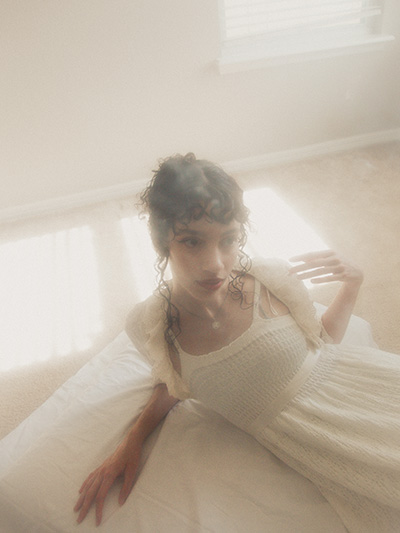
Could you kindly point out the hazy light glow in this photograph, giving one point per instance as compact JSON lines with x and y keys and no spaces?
{"x":49,"y":297}
{"x":50,"y":303}
{"x":141,"y":255}
{"x":278,"y":231}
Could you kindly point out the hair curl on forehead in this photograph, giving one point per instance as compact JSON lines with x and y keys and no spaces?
{"x":183,"y":189}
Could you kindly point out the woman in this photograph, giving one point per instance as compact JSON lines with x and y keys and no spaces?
{"x":242,"y":337}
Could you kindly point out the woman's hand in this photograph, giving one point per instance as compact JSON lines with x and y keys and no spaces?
{"x":123,"y":462}
{"x":324,"y":266}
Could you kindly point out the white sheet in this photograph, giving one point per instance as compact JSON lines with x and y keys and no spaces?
{"x":202,"y":474}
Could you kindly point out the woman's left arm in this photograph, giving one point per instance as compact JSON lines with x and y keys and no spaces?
{"x":325,"y":266}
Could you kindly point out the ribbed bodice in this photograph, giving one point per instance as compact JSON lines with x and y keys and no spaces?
{"x":242,"y":379}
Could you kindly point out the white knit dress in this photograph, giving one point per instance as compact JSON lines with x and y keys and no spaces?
{"x":331,"y":412}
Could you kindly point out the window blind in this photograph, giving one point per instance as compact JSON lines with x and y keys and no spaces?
{"x":256,"y":18}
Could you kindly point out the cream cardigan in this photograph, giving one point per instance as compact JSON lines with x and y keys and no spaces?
{"x":145,"y":324}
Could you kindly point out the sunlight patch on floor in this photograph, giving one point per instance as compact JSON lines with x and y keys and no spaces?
{"x":49,"y":298}
{"x":278,"y":231}
{"x":142,"y":256}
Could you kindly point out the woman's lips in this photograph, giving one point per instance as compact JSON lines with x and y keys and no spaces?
{"x":211,"y":284}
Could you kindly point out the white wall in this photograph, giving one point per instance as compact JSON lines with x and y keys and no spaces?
{"x":93,"y":92}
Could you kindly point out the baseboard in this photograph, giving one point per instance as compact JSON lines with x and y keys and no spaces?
{"x":249,"y":164}
{"x":74,"y":201}
{"x":71,"y":201}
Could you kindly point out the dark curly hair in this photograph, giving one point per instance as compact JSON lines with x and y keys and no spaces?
{"x":183,"y":189}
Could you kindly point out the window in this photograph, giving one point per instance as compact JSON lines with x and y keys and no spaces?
{"x":269,"y":30}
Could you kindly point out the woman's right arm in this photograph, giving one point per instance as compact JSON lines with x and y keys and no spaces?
{"x":125,"y":460}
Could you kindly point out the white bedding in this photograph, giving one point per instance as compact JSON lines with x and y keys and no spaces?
{"x":202,"y":475}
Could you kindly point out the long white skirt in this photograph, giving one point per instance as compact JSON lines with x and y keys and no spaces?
{"x":342,"y":431}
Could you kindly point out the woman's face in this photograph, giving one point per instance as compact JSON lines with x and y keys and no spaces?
{"x":202,"y":255}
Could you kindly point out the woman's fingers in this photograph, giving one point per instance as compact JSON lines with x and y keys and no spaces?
{"x":326,"y":279}
{"x":325,"y":266}
{"x":323,"y":271}
{"x":107,"y":483}
{"x":84,"y":489}
{"x":86,"y":499}
{"x":88,"y":480}
{"x":313,"y":265}
{"x":314,"y":260}
{"x":309,"y":256}
{"x":79,"y":503}
{"x":97,"y":493}
{"x":94,"y":490}
{"x":129,"y":481}
{"x":125,"y":490}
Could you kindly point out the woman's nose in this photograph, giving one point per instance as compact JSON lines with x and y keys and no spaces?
{"x":213,"y":261}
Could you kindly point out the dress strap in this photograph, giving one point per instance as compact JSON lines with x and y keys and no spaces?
{"x":177,"y":347}
{"x":258,"y":310}
{"x":272,"y":308}
{"x":257,"y":296}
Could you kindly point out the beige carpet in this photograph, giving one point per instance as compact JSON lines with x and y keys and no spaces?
{"x":350,"y":199}
{"x":353,"y":200}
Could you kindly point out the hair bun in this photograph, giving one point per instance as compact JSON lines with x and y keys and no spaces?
{"x":189,"y":158}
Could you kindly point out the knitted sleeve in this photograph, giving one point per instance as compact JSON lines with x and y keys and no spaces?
{"x":145,"y":328}
{"x":275,"y":276}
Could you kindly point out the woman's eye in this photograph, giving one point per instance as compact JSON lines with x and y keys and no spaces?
{"x":230,"y":241}
{"x":190,"y":243}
